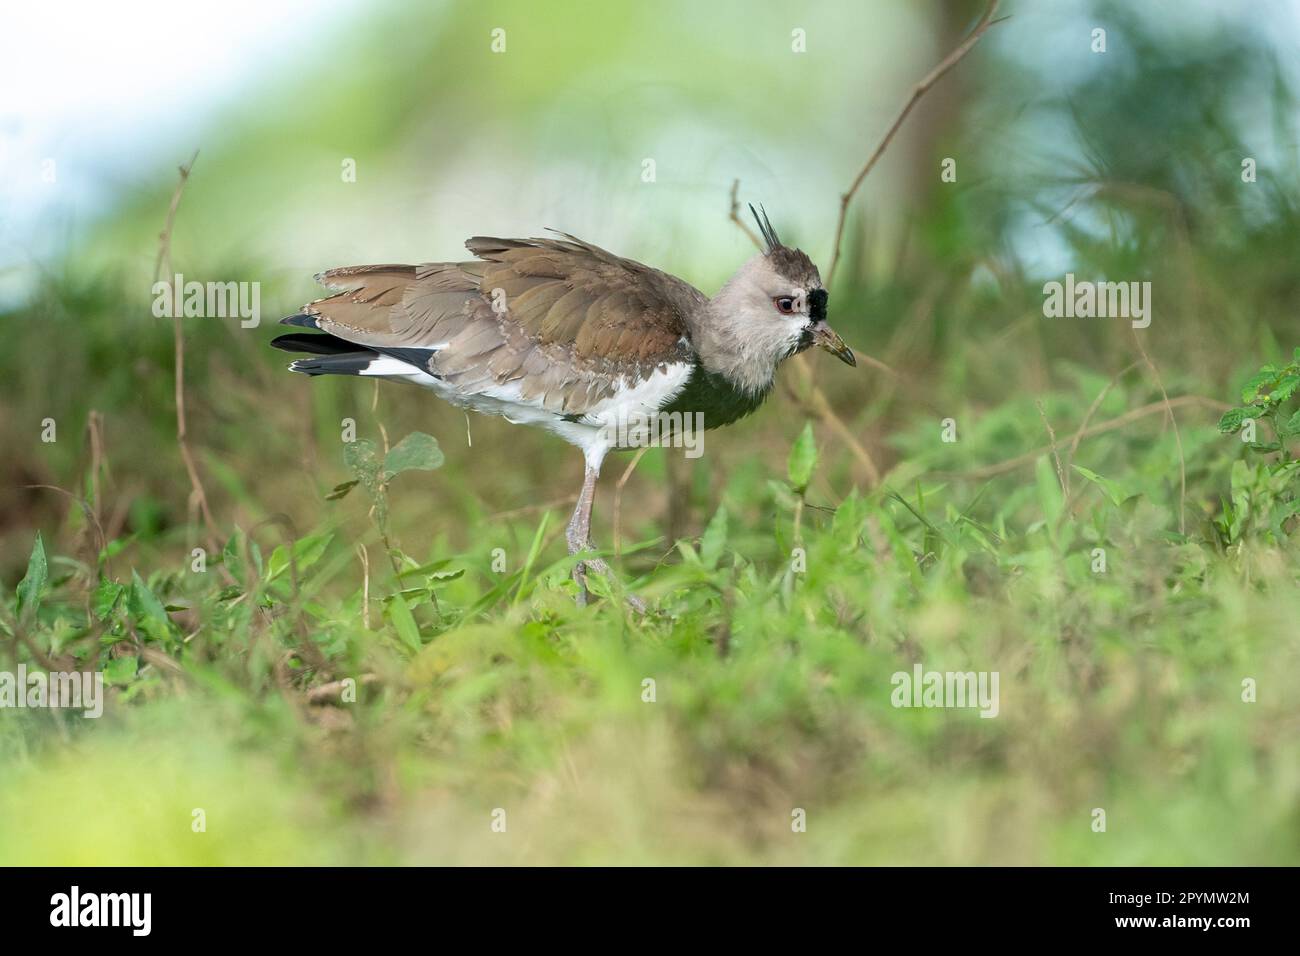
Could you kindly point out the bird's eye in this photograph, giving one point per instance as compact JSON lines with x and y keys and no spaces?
{"x":784,"y":304}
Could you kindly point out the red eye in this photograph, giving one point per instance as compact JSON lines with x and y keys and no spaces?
{"x":784,"y":304}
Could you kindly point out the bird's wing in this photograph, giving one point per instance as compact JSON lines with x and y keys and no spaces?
{"x":564,"y":322}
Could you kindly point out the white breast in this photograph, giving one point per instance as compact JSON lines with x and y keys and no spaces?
{"x":620,"y":420}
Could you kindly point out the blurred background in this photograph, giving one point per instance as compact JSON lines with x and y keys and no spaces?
{"x":1104,"y":163}
{"x":1124,"y":164}
{"x":1066,"y":159}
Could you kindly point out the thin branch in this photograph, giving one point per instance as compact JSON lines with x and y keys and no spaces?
{"x":734,"y":216}
{"x":163,"y":266}
{"x":816,"y":403}
{"x":1087,"y":417}
{"x":1056,"y":456}
{"x":933,"y":77}
{"x":1092,"y":410}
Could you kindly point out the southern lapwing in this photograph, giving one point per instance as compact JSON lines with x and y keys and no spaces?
{"x":560,"y":333}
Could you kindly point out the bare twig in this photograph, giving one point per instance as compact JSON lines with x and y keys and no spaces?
{"x":734,"y":216}
{"x":163,"y":266}
{"x":816,"y":403}
{"x":95,"y":434}
{"x":931,"y":78}
{"x":1083,"y":425}
{"x":1051,"y":435}
{"x":1092,"y":410}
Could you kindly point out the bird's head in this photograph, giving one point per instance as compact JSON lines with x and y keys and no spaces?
{"x":772,"y":308}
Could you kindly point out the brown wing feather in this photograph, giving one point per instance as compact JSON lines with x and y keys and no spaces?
{"x":576,"y":317}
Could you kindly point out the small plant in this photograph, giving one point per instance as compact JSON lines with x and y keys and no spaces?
{"x":374,"y":470}
{"x":1264,"y":496}
{"x":1271,"y":395}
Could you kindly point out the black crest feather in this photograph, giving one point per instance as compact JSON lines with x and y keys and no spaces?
{"x":765,"y":227}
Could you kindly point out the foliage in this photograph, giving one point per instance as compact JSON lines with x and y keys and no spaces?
{"x":372,"y":650}
{"x":1264,"y":491}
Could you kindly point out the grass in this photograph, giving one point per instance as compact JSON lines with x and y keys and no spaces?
{"x":375,"y":656}
{"x":760,"y":684}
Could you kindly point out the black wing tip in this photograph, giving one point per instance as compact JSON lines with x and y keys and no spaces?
{"x":350,"y":363}
{"x":315,"y":344}
{"x":301,"y":319}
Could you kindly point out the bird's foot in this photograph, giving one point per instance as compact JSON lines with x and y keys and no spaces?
{"x":599,"y":566}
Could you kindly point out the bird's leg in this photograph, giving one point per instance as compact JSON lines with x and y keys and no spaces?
{"x":578,"y":536}
{"x":578,"y":532}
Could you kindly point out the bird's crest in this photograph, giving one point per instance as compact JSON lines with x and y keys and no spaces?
{"x":793,"y":264}
{"x":765,"y":227}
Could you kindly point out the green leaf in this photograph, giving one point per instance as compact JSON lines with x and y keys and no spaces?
{"x":147,"y":611}
{"x":1113,"y":490}
{"x":429,"y":568}
{"x":846,"y":524}
{"x":535,"y":549}
{"x":803,"y":459}
{"x":232,"y":555}
{"x":1292,"y":426}
{"x":33,"y":583}
{"x":1285,"y":388}
{"x":105,"y":598}
{"x":1050,"y":496}
{"x":121,"y":670}
{"x":1231,"y":420}
{"x":417,"y":451}
{"x":306,"y":552}
{"x":714,"y":539}
{"x":1265,"y":377}
{"x":404,"y":623}
{"x":362,"y":459}
{"x":689,"y":553}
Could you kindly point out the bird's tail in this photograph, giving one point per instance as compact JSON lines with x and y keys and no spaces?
{"x":330,"y":354}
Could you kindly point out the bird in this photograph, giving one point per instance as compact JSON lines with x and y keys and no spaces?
{"x":558,"y":333}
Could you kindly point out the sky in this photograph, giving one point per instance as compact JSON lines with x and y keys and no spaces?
{"x":86,"y":87}
{"x":92,"y":97}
